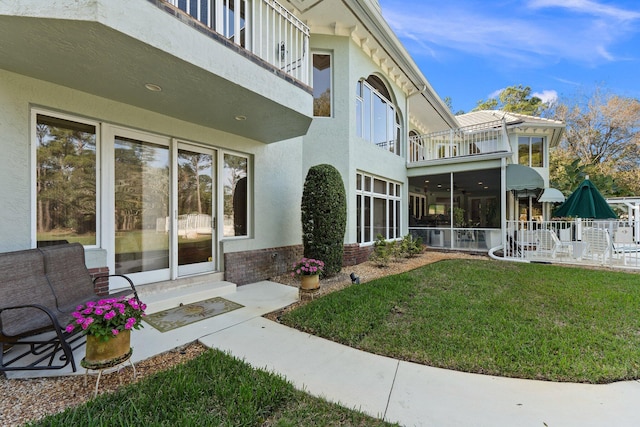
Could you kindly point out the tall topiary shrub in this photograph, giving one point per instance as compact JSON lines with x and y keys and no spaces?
{"x":324,"y":217}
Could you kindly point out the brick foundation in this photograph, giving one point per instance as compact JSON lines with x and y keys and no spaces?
{"x":246,"y":267}
{"x":252,"y":266}
{"x":355,"y":254}
{"x":101,"y":286}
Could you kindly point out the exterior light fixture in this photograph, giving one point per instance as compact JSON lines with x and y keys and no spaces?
{"x":241,"y":118}
{"x":153,"y":87}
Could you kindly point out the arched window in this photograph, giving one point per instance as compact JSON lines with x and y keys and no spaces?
{"x":377,"y":118}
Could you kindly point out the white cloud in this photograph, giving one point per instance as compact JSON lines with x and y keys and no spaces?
{"x":547,"y":96}
{"x":588,"y":7}
{"x":585,"y":31}
{"x":495,"y":93}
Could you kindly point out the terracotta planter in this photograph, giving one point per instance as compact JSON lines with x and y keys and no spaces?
{"x":102,"y":354}
{"x":310,"y":282}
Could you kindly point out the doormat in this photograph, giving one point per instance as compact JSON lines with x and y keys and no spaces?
{"x":190,"y":313}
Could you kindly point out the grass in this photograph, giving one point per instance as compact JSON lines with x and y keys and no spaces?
{"x":214,"y":389}
{"x":515,"y":320}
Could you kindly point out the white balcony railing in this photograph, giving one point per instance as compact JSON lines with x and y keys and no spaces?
{"x":263,"y":27}
{"x":466,"y":141}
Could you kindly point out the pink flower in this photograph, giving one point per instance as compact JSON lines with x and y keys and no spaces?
{"x":70,"y":328}
{"x":110,"y":315}
{"x":115,"y":332}
{"x":130,"y":322}
{"x":87,"y":322}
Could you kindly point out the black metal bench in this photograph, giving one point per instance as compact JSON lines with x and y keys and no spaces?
{"x":39,"y":289}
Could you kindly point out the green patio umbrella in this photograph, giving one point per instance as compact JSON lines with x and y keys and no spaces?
{"x":585,"y":202}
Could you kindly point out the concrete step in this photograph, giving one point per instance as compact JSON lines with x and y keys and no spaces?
{"x":164,"y":295}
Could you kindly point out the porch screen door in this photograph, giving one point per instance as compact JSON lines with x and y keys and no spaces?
{"x":195,"y":206}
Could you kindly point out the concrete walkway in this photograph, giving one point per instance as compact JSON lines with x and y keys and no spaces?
{"x":406,"y":393}
{"x":417,"y":395}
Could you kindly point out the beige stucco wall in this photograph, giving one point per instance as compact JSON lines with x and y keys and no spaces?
{"x":277,"y":167}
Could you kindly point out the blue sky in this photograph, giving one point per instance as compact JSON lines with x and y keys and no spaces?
{"x":470,"y":49}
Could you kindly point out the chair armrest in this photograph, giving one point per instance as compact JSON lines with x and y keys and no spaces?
{"x":133,"y":288}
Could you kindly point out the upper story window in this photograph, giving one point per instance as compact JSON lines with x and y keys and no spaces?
{"x":377,"y":119}
{"x":321,"y":85}
{"x":531,"y":151}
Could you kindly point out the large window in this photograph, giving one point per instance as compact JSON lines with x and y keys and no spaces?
{"x":531,"y":151}
{"x":236,"y":195}
{"x":321,"y":85}
{"x":379,"y":212}
{"x":65,"y":180}
{"x":377,"y":119}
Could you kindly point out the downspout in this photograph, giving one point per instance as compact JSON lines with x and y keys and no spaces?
{"x":419,"y":92}
{"x":503,"y":201}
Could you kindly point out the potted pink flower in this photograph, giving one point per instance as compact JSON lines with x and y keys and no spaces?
{"x":308,"y":269}
{"x":108,"y":323}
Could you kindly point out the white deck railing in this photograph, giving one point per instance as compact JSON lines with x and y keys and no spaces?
{"x":263,"y":27}
{"x":466,"y":141}
{"x":189,"y":225}
{"x":614,"y":243}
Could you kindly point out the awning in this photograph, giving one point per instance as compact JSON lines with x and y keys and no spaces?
{"x":521,"y":177}
{"x":551,"y":195}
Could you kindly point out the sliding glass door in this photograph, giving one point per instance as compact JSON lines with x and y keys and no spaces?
{"x":196,"y":232}
{"x":164,"y":206}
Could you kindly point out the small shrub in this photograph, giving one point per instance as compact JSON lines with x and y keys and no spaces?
{"x":382,"y":252}
{"x":386,"y":251}
{"x":411,"y":246}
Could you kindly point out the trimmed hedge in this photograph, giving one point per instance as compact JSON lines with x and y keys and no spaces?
{"x":324,"y":217}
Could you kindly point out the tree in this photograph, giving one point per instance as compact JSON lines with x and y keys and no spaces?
{"x":514,"y":99}
{"x":322,"y":104}
{"x":324,"y":217}
{"x":601,"y":139}
{"x":449,"y":103}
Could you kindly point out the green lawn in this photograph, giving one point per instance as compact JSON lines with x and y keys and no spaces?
{"x":214,"y":389}
{"x":509,"y":319}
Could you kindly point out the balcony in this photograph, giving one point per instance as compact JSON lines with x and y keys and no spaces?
{"x":249,"y":79}
{"x":465,"y":142}
{"x":263,"y":27}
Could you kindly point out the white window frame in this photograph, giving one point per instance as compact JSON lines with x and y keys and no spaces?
{"x":391,"y":128}
{"x":544,"y":150}
{"x":393,"y":204}
{"x":331,"y":89}
{"x":250,"y":198}
{"x":34,"y":161}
